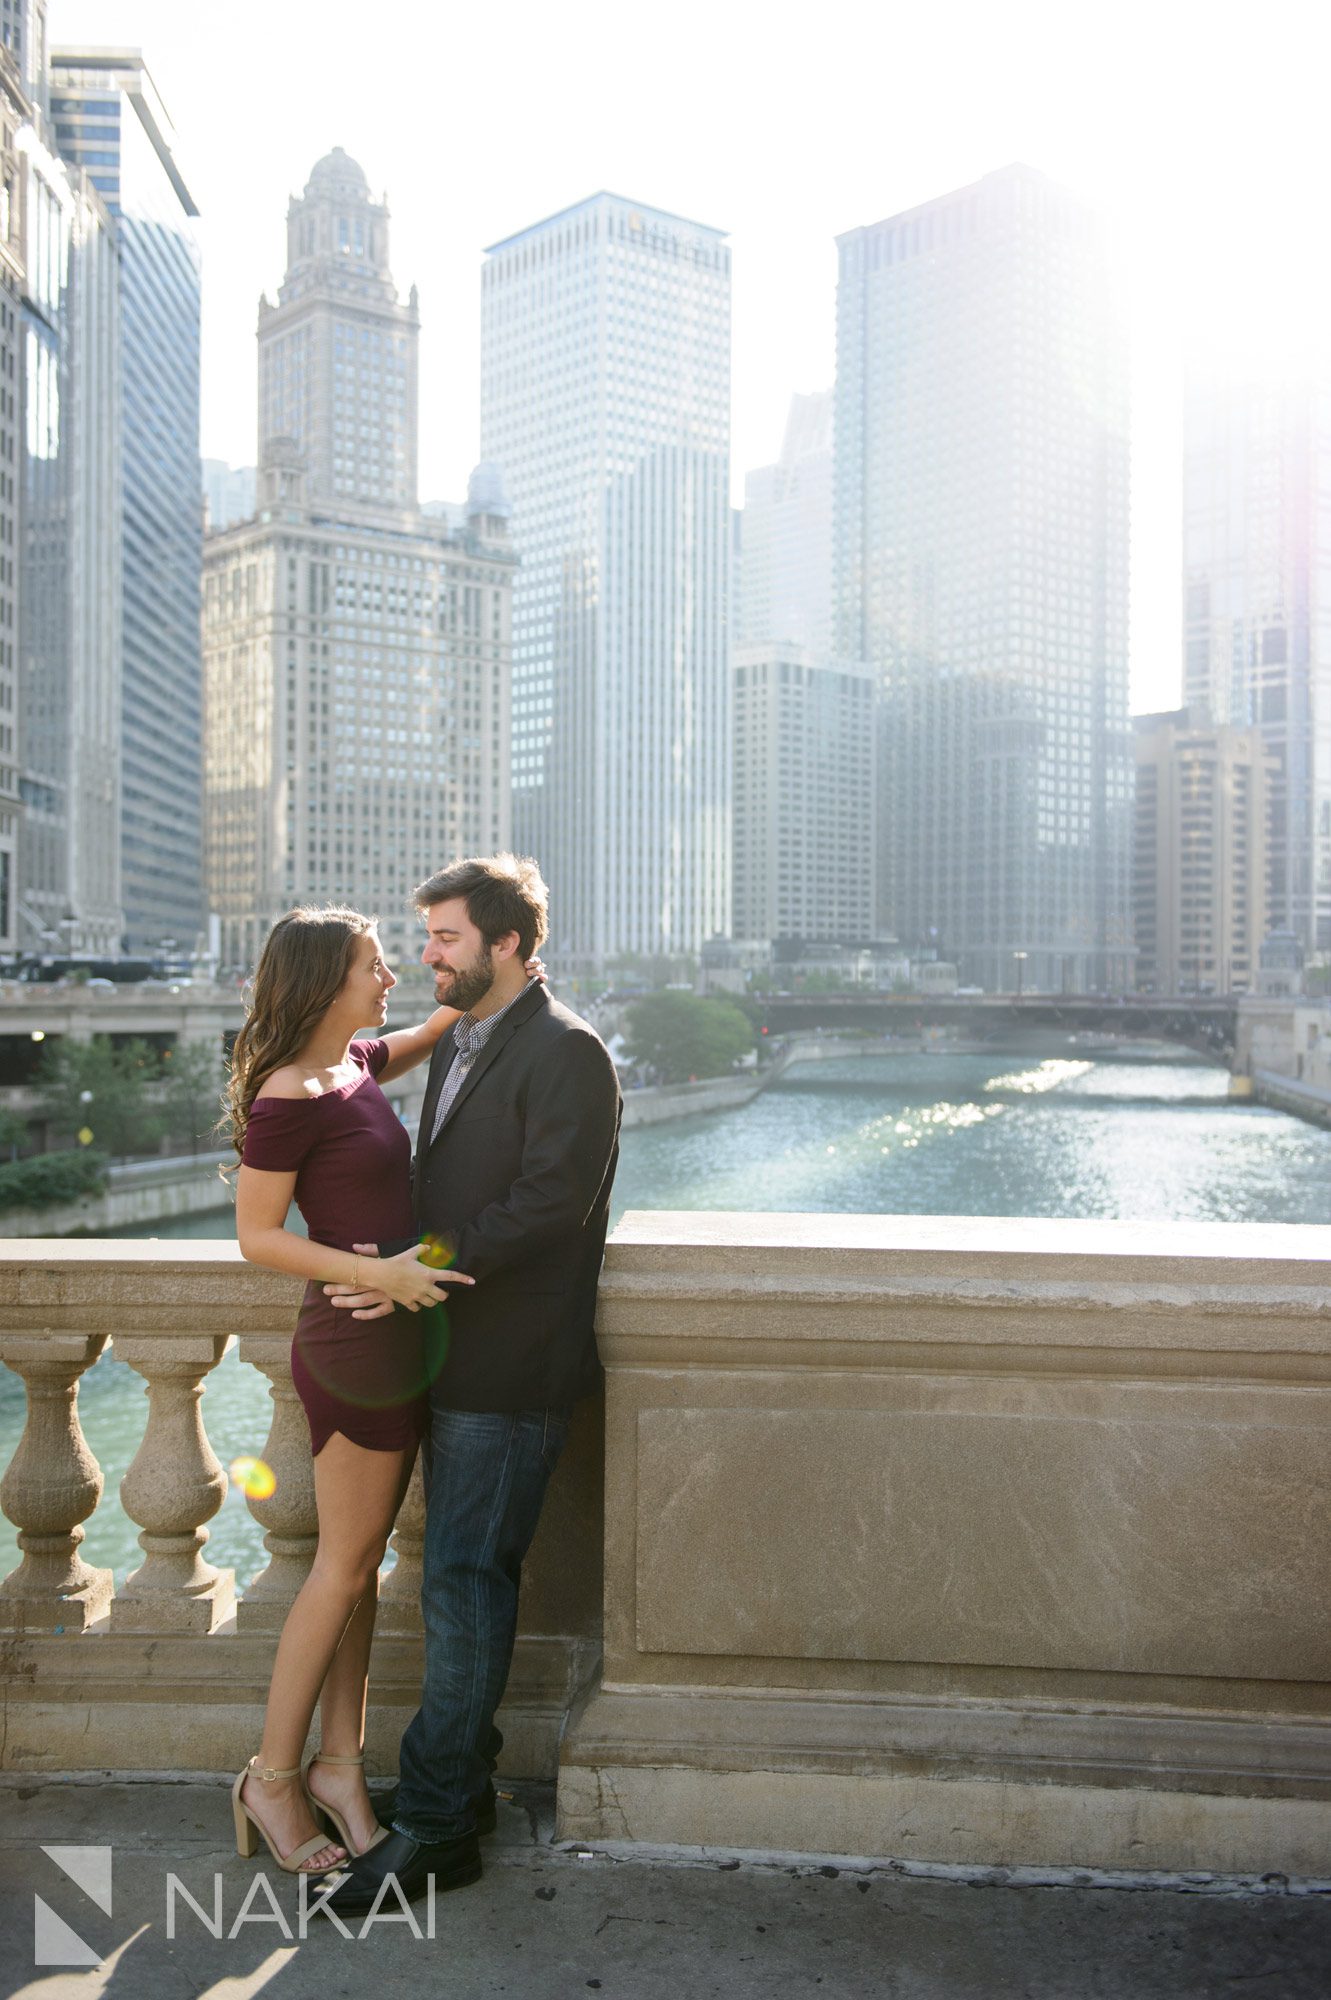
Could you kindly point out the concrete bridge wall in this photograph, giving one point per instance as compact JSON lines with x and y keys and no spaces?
{"x":969,"y":1541}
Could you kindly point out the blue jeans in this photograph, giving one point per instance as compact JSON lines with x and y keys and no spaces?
{"x":485,"y":1479}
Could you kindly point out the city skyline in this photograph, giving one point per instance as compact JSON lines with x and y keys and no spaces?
{"x":1086,"y":107}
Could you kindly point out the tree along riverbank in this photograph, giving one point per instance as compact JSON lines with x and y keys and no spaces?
{"x":143,"y":1191}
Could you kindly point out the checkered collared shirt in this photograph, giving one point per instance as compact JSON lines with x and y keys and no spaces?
{"x":469,"y":1038}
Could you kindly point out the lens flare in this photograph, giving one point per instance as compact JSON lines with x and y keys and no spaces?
{"x":256,"y":1480}
{"x":438,"y":1254}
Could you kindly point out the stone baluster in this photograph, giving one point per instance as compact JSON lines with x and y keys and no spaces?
{"x":400,"y":1597}
{"x":52,"y":1485}
{"x":174,"y":1485}
{"x":289,"y":1516}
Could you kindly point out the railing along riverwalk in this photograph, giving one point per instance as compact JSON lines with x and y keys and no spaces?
{"x":952,"y":1539}
{"x":170,"y":1670}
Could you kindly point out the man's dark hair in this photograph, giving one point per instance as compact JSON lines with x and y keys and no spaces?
{"x":504,"y":892}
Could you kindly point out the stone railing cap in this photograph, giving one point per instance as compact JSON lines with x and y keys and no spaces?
{"x":724,"y":1232}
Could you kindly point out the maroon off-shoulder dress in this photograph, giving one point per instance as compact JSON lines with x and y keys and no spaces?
{"x":367,"y":1378}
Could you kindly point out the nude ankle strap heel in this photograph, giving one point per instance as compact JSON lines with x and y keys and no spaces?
{"x":249,"y":1828}
{"x":331,"y":1813}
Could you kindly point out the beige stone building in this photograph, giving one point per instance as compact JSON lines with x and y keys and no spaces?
{"x":1201,"y":853}
{"x":357,"y":653}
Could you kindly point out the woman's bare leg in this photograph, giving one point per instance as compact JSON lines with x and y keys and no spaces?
{"x":342,"y":1706}
{"x":358,"y":1493}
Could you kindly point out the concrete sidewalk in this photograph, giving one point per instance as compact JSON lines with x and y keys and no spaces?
{"x":551,"y":1923}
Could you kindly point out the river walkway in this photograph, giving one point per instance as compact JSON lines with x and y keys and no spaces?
{"x":555,"y":1922}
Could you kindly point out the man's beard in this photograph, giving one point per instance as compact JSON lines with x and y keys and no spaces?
{"x":464,"y":986}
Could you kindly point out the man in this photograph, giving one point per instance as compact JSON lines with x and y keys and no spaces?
{"x":518,"y":1143}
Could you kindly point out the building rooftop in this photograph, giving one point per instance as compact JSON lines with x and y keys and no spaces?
{"x":125,"y":69}
{"x":604,"y":194}
{"x":339,"y":166}
{"x":1016,"y":170}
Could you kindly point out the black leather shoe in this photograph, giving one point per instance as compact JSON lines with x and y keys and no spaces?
{"x":385,"y":1805}
{"x":452,"y":1863}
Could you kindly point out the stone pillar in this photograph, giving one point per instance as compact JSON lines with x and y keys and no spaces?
{"x":289,"y":1516}
{"x":52,"y":1485}
{"x":174,"y":1485}
{"x":400,"y":1597}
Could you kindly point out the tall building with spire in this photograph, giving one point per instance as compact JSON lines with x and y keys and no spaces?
{"x":338,"y":353}
{"x":980,"y":542}
{"x":605,"y":401}
{"x":356,"y":652}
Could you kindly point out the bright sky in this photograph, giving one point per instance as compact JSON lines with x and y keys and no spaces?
{"x":1198,"y":128}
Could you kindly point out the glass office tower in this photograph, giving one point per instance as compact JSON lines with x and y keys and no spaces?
{"x":14,"y":112}
{"x":980,"y":545}
{"x":605,"y":364}
{"x":109,"y":120}
{"x":68,"y":627}
{"x":1257,"y":605}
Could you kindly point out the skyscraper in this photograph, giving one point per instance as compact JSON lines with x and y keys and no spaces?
{"x":785,"y":593}
{"x":804,"y":752}
{"x":1257,"y":605}
{"x":980,"y":558}
{"x":338,"y":353}
{"x":23,"y":33}
{"x":14,"y":114}
{"x":605,"y":364}
{"x":108,"y":119}
{"x":356,"y":652}
{"x":65,"y":503}
{"x":1200,"y":855}
{"x":228,"y":492}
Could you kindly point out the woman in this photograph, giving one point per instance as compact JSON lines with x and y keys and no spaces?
{"x":310,"y":1122}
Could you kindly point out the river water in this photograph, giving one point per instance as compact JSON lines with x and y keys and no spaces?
{"x":1064,"y":1134}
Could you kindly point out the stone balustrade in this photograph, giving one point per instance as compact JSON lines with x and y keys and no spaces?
{"x":961,"y":1541}
{"x":177,"y":1676}
{"x":51,"y":1487}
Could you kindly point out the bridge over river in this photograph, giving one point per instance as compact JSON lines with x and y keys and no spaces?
{"x":1205,"y":1024}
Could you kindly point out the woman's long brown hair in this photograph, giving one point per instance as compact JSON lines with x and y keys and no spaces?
{"x":305,"y":959}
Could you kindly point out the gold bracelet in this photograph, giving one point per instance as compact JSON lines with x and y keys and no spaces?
{"x":355,"y":1274}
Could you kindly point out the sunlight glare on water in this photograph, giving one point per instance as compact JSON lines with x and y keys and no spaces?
{"x":982,"y":1135}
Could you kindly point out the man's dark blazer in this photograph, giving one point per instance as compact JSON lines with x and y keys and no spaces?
{"x":518,"y":1185}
